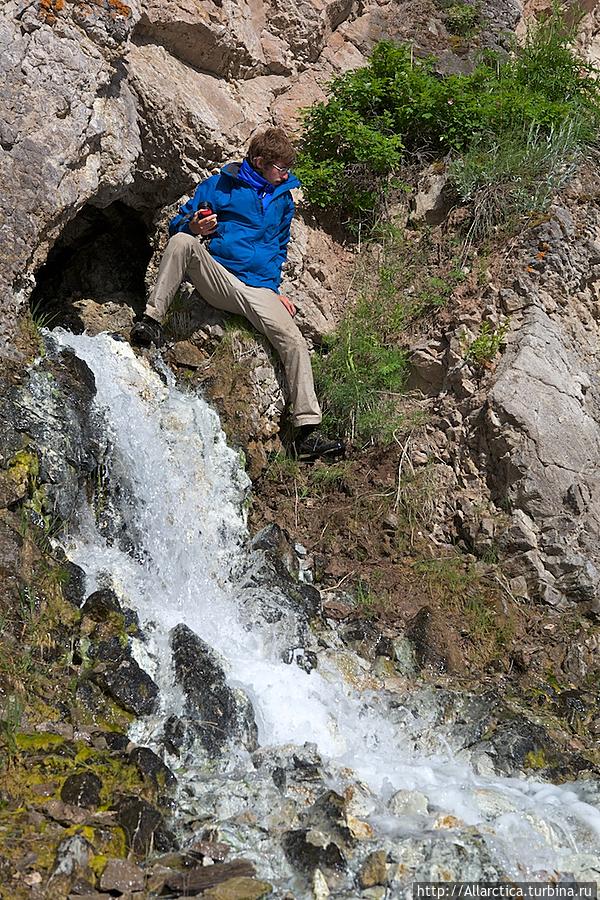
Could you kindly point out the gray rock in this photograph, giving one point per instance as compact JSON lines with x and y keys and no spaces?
{"x":128,"y":685}
{"x":427,"y":372}
{"x":72,"y":856}
{"x":55,"y":410}
{"x":122,"y":875}
{"x":82,"y":790}
{"x":277,"y":541}
{"x":408,"y":803}
{"x":432,"y":201}
{"x":214,"y":712}
{"x":404,"y":656}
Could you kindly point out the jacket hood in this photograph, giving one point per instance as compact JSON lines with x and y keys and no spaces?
{"x":232,"y":170}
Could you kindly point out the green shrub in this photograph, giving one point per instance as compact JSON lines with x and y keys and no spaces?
{"x":487,"y":344}
{"x":363,"y":367}
{"x":354,"y":142}
{"x":462,"y":19}
{"x":357,"y":376}
{"x":514,"y":174}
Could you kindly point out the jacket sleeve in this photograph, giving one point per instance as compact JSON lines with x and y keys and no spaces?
{"x":284,"y":234}
{"x":180,"y":222}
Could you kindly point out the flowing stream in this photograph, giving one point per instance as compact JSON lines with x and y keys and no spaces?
{"x":182,"y":493}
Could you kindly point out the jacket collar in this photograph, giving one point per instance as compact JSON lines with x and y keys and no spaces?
{"x":232,"y":170}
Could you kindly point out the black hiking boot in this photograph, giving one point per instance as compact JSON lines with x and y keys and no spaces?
{"x":147,"y":331}
{"x":311,"y":444}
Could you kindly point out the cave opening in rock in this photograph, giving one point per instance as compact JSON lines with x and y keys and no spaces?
{"x":99,"y":260}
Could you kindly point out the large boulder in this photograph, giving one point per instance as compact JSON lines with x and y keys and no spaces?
{"x":214,"y":713}
{"x":68,"y":134}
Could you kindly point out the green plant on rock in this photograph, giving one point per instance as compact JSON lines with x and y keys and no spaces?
{"x":362,"y":369}
{"x":11,"y":722}
{"x":466,"y":591}
{"x":486,"y":345}
{"x":358,"y":376}
{"x":282,"y":467}
{"x":508,"y":176}
{"x":462,"y":19}
{"x":365,"y":601}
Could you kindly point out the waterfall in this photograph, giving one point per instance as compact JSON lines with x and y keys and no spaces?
{"x":181,"y":502}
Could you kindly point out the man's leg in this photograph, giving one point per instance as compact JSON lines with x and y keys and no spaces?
{"x":188,"y":257}
{"x":263,"y":308}
{"x":268,"y":315}
{"x":171,"y":272}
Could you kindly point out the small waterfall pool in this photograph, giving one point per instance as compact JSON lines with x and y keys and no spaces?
{"x":182,"y":500}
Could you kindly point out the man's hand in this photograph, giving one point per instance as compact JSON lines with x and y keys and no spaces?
{"x":202,"y":225}
{"x":288,"y":305}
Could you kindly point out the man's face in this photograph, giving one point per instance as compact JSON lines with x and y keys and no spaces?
{"x":275,"y":173}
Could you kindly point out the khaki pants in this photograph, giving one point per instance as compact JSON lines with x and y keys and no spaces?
{"x":186,"y":256}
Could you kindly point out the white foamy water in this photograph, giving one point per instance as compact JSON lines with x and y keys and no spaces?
{"x":185,"y":491}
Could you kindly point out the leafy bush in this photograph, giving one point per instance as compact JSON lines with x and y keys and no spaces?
{"x":487,"y":344}
{"x":363,"y":367}
{"x":357,"y":376}
{"x":462,"y":19}
{"x":355,"y":142}
{"x":514,"y":174}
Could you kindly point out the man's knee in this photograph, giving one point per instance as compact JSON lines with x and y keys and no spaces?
{"x":181,"y":240}
{"x":291,"y":342}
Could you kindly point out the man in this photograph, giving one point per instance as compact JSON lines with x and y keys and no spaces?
{"x":230,"y":240}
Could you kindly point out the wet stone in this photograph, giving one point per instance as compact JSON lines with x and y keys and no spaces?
{"x":129,"y":686}
{"x":320,"y":888}
{"x":277,"y":541}
{"x":408,"y":803}
{"x":216,"y":712}
{"x":329,"y":814}
{"x":61,"y":391}
{"x":140,"y":821}
{"x":91,"y":896}
{"x":374,"y":870}
{"x":520,"y":744}
{"x":101,"y":604}
{"x":404,"y":656}
{"x":368,"y":641}
{"x":110,"y":650}
{"x":121,"y":875}
{"x":204,"y":878}
{"x":174,"y":735}
{"x":374,"y":893}
{"x":306,"y":856}
{"x":149,"y":765}
{"x":214,"y":850}
{"x":115,"y":741}
{"x":82,"y":790}
{"x":239,"y":889}
{"x":74,"y":586}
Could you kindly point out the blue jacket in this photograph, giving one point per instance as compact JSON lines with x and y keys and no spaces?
{"x":251,"y":242}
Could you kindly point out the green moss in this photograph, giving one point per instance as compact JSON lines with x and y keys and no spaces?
{"x":23,"y":467}
{"x":98,"y":864}
{"x":85,"y":831}
{"x":117,"y":846}
{"x":38,"y":741}
{"x":536,"y":759}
